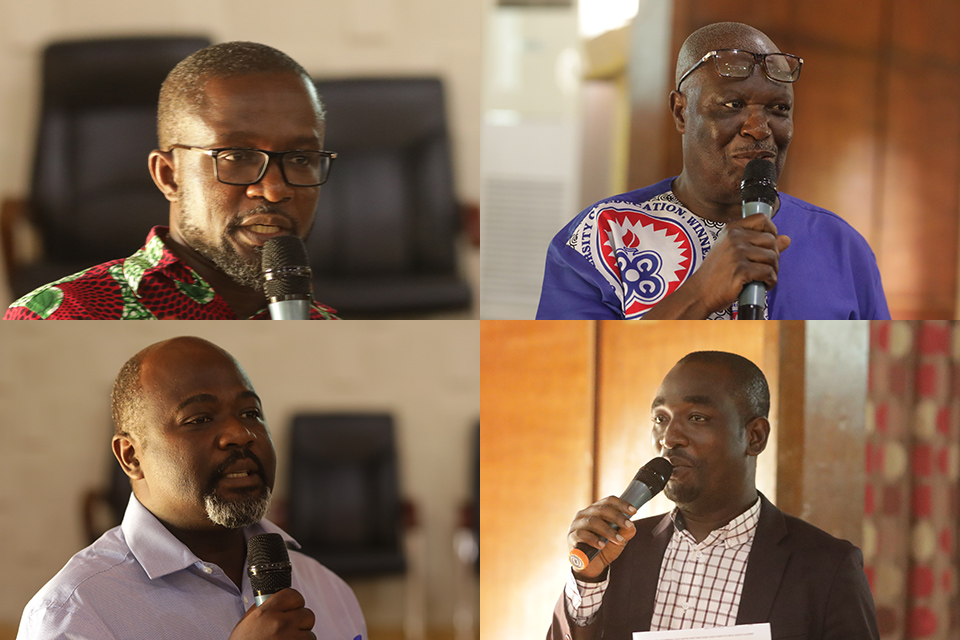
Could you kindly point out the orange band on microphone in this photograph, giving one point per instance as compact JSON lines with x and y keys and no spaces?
{"x":578,"y":559}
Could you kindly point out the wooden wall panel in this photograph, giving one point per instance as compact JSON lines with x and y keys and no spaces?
{"x":822,"y":415}
{"x":634,"y":358}
{"x":536,"y":446}
{"x":918,"y":244}
{"x":877,"y":136}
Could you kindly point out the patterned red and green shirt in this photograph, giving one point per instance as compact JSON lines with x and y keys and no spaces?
{"x":152,"y":284}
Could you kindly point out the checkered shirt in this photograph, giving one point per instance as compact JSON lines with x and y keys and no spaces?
{"x":699,"y":584}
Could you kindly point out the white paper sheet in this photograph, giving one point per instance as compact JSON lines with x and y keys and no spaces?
{"x":739,"y":632}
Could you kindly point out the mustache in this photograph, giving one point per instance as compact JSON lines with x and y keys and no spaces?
{"x":221,"y":470}
{"x":238,"y":219}
{"x":680,"y":454}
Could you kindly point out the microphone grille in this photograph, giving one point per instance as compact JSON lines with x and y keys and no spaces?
{"x":759,"y":182}
{"x":268,"y":549}
{"x":285,"y":267}
{"x":655,"y":474}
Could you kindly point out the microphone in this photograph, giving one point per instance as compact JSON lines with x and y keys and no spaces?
{"x":287,"y":279}
{"x":649,"y":481}
{"x":758,"y":192}
{"x":268,"y":565}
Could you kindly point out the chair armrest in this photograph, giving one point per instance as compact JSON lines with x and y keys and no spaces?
{"x":470,"y":222}
{"x":13,"y":213}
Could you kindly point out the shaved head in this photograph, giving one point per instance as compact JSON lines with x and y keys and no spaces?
{"x":746,"y":380}
{"x":721,"y":35}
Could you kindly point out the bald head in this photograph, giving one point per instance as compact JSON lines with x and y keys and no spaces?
{"x":127,"y":398}
{"x":720,"y":35}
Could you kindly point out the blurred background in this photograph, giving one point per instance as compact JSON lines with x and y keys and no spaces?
{"x":377,"y":232}
{"x":54,"y":393}
{"x":865,"y":444}
{"x":575,"y":109}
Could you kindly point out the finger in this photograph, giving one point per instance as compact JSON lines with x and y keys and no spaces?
{"x":285,"y":600}
{"x":755,"y":222}
{"x":782,"y":243}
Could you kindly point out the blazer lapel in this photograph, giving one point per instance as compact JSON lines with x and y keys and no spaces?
{"x":765,"y":567}
{"x":644,"y":581}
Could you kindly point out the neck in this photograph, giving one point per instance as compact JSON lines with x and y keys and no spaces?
{"x":701,"y":520}
{"x":226,"y":548}
{"x":691,"y":198}
{"x":244,"y":301}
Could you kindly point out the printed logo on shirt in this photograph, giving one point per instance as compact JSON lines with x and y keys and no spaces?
{"x":644,"y":250}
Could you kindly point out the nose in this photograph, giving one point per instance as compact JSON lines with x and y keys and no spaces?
{"x":272,"y":187}
{"x":669,"y":435}
{"x":236,"y":434}
{"x":757,"y":124}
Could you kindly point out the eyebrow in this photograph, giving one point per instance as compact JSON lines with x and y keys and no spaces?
{"x":695,"y":400}
{"x":209,"y":397}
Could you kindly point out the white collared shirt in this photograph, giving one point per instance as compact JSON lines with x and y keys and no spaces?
{"x":699,"y":584}
{"x":139,"y":581}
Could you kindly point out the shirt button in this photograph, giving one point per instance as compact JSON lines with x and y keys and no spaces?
{"x":685,"y":605}
{"x":699,"y":554}
{"x":207,"y":569}
{"x":245,"y":600}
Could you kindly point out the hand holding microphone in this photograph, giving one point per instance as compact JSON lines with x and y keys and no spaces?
{"x":280,"y":612}
{"x":599,"y":532}
{"x":758,"y":193}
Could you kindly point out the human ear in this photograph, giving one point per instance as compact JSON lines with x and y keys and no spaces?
{"x":162,"y":172}
{"x":125,"y":451}
{"x":678,"y":109}
{"x":758,"y":433}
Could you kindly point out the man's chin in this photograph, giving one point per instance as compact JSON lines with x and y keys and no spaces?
{"x":239,"y":512}
{"x":680,"y":494}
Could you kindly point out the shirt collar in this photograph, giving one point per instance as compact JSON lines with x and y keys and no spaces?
{"x":736,"y":532}
{"x":155,"y":257}
{"x":159,"y":552}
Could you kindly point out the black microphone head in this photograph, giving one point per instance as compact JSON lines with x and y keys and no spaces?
{"x":655,"y":474}
{"x":759,"y":182}
{"x":286,"y":270}
{"x":268,"y":563}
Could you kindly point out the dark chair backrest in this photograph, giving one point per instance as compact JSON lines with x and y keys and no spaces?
{"x":92,"y":195}
{"x":390,"y":205}
{"x":344,"y":494}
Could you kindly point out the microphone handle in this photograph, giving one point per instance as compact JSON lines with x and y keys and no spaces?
{"x":637,"y":494}
{"x":292,"y":308}
{"x":753,"y":297}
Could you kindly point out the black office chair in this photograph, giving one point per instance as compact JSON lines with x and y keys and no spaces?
{"x":91,"y":197}
{"x":387,"y":221}
{"x":345,"y":507}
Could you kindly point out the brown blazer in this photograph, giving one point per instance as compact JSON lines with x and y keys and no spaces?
{"x":803,"y":581}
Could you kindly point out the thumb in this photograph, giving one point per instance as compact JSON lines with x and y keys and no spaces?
{"x":782,"y":243}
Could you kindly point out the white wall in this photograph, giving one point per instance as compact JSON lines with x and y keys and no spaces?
{"x":328,"y":37}
{"x":55,"y":380}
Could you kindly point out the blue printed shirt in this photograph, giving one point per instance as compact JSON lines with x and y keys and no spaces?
{"x":623,"y":255}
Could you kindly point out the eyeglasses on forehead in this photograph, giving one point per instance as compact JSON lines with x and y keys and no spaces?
{"x":244,"y":166}
{"x":738,"y":63}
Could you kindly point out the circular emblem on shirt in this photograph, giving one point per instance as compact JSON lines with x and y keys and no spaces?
{"x":646,"y":250}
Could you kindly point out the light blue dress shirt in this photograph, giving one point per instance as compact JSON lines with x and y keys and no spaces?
{"x":139,"y":581}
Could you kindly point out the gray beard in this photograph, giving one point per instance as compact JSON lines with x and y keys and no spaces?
{"x":237,"y":514}
{"x":224,"y":255}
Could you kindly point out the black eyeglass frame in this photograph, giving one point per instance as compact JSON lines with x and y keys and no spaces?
{"x":758,"y":59}
{"x":271,"y":155}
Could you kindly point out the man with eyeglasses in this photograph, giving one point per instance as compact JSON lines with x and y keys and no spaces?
{"x":241,"y":160}
{"x":680,"y":249}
